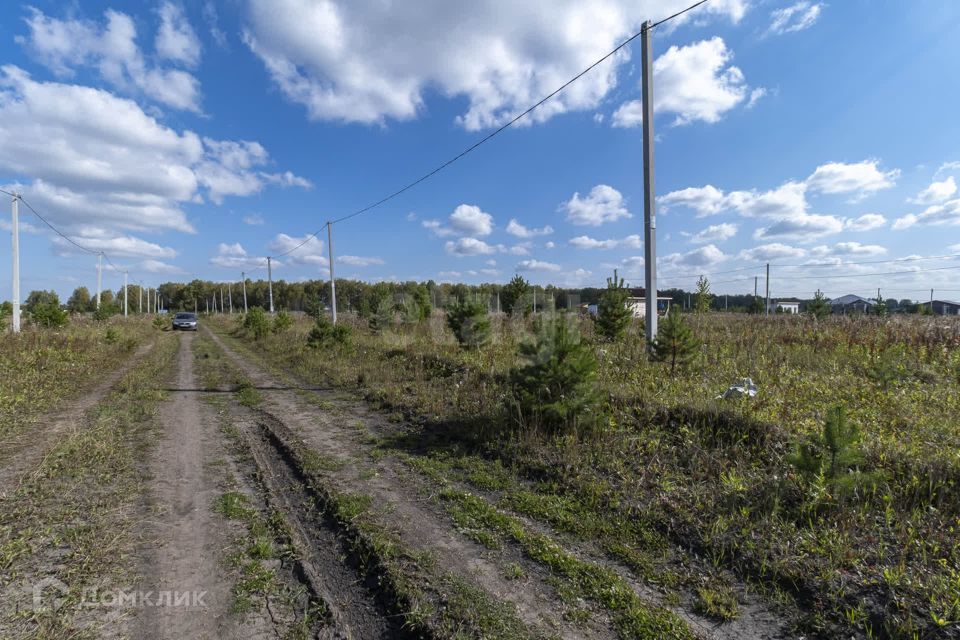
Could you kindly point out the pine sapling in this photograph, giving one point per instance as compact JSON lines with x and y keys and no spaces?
{"x":613,"y":315}
{"x":675,"y":342}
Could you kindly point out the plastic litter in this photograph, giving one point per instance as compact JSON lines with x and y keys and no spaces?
{"x":740,"y":388}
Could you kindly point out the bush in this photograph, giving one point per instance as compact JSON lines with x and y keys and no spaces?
{"x":326,"y":334}
{"x":159,"y":323}
{"x":675,"y":342}
{"x":470,"y":323}
{"x":613,"y":316}
{"x":833,"y":455}
{"x":382,"y":316}
{"x":111,"y":336}
{"x":257,"y":323}
{"x":554,"y":382}
{"x":48,"y":314}
{"x":818,"y":308}
{"x":282,"y":322}
{"x":105,"y":310}
{"x":513,"y":296}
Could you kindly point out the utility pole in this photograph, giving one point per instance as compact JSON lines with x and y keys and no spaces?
{"x":498,"y":302}
{"x":243,"y":276}
{"x":221,"y":299}
{"x":333,"y":278}
{"x":99,"y":276}
{"x":534,"y":299}
{"x":194,"y":306}
{"x":230,"y":296}
{"x":649,"y":210}
{"x":207,"y":300}
{"x":931,"y":301}
{"x":768,"y":289}
{"x":270,"y":282}
{"x":140,"y":304}
{"x":15,"y":228}
{"x":124,"y":294}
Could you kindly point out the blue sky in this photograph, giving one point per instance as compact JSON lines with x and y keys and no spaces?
{"x":190,"y":140}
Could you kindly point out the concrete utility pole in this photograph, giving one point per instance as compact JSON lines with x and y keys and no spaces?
{"x":99,"y":276}
{"x":140,"y":305}
{"x":230,"y":296}
{"x":207,"y":300}
{"x":221,"y":299}
{"x":124,"y":294}
{"x":931,"y":301}
{"x":270,"y":282}
{"x":333,"y":278}
{"x":649,"y":210}
{"x":15,"y":228}
{"x":194,"y":306}
{"x":243,"y":277}
{"x":768,"y":288}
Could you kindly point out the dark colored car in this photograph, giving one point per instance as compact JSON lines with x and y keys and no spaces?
{"x":185,"y":321}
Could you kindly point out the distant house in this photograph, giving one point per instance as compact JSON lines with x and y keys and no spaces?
{"x":945,"y":308}
{"x":790,"y":305}
{"x":637,"y":303}
{"x":850,"y":304}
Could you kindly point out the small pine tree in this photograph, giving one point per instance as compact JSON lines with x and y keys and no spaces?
{"x":834,"y":454}
{"x":470,"y":323}
{"x":675,"y":342}
{"x":881,"y":308}
{"x":282,"y":322}
{"x":48,"y":314}
{"x":818,"y":308}
{"x":554,"y":382}
{"x":704,"y":297}
{"x":326,"y":334}
{"x":613,"y":316}
{"x":513,"y":296}
{"x":382,"y":316}
{"x":257,"y":323}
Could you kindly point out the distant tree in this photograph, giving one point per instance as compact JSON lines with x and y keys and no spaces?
{"x":513,"y":296}
{"x":282,"y":322}
{"x":675,"y":342}
{"x":880,"y":308}
{"x":79,"y":300}
{"x":382,"y":315}
{"x":554,"y":380}
{"x":756,"y":305}
{"x":818,"y":308}
{"x":924,"y":309}
{"x":257,"y":323}
{"x":41,"y":298}
{"x":703,"y":297}
{"x":44,"y":309}
{"x":613,"y":316}
{"x":469,"y":322}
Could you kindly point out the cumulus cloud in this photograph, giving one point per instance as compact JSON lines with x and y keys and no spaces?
{"x":705,"y":256}
{"x":862,"y":178}
{"x":116,"y":246}
{"x":96,"y":159}
{"x":772,"y":251}
{"x":705,"y":201}
{"x":538,"y":265}
{"x":586,"y":242}
{"x":800,"y":226}
{"x":157,"y":266}
{"x":514,"y":228}
{"x":306,"y":249}
{"x":360,"y":261}
{"x":937,"y":192}
{"x":234,"y":256}
{"x":112,"y":49}
{"x":602,"y":204}
{"x":253,"y":219}
{"x":695,"y":83}
{"x":787,"y":199}
{"x":947,"y":213}
{"x":339,"y":59}
{"x":715,"y":233}
{"x":469,"y":220}
{"x":797,"y":17}
{"x":469,"y":247}
{"x":848,"y":249}
{"x":866,"y":222}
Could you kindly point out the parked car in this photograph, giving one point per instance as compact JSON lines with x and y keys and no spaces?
{"x":185,"y":321}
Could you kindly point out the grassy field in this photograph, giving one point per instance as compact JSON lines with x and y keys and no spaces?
{"x":662,"y":464}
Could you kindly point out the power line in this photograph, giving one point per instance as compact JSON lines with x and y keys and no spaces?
{"x":491,"y":135}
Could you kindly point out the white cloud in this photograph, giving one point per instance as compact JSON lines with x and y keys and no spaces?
{"x":866,"y":222}
{"x":705,"y":201}
{"x":369,"y":61}
{"x":98,"y":160}
{"x":586,"y":242}
{"x":694,"y":82}
{"x":863,"y":178}
{"x":953,"y":165}
{"x":176,"y":39}
{"x":519,"y":249}
{"x":550,"y":245}
{"x":114,"y":246}
{"x":947,"y":213}
{"x":157,"y":266}
{"x":801,"y":226}
{"x":787,"y":199}
{"x":603,"y":204}
{"x":848,"y":249}
{"x":360,"y":261}
{"x":234,"y":256}
{"x":63,"y":45}
{"x":306,"y":249}
{"x":937,"y":192}
{"x":715,"y":233}
{"x":514,"y":228}
{"x":469,"y":247}
{"x":796,"y":17}
{"x":537,"y":265}
{"x":756,"y":95}
{"x":286,"y":179}
{"x":701,"y":257}
{"x":469,"y":220}
{"x":772,"y":251}
{"x":253,"y":219}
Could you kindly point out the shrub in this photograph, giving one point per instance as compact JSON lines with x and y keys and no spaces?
{"x":703,"y":296}
{"x":613,"y":316}
{"x":325,"y":334}
{"x":675,"y":342}
{"x":513,"y":296}
{"x":48,"y":314}
{"x":257,"y":323}
{"x":554,"y":382}
{"x":111,"y":336}
{"x":834,"y":454}
{"x":158,"y":323}
{"x":105,"y":310}
{"x":282,"y":322}
{"x":470,"y":323}
{"x":818,"y":308}
{"x":382,"y":316}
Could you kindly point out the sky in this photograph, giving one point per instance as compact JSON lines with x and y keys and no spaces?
{"x":193,"y":139}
